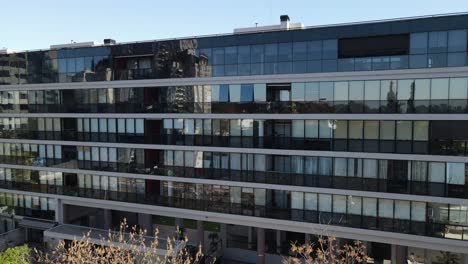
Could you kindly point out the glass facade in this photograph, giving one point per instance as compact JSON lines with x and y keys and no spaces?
{"x":28,"y":205}
{"x":446,"y":179}
{"x":423,"y":43}
{"x":384,"y":149}
{"x":387,"y":136}
{"x":429,"y":95}
{"x":420,"y":218}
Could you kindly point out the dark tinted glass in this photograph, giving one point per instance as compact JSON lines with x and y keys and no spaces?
{"x":314,"y":50}
{"x":418,"y":61}
{"x":243,"y":69}
{"x":247,"y":93}
{"x":224,"y":93}
{"x":329,"y":65}
{"x":271,"y":52}
{"x":374,"y":46}
{"x":230,"y":69}
{"x":330,"y":49}
{"x":437,"y":42}
{"x":300,"y":66}
{"x":314,"y":66}
{"x":300,"y":51}
{"x":437,"y":60}
{"x":345,"y":65}
{"x":457,"y":40}
{"x":418,"y":43}
{"x":218,"y":56}
{"x":230,"y":55}
{"x":257,"y":54}
{"x":456,"y":59}
{"x":399,"y":62}
{"x":285,"y":52}
{"x":244,"y":54}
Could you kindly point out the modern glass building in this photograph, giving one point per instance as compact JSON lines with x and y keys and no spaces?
{"x":249,"y":140}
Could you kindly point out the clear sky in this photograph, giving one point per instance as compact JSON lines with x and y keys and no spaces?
{"x":35,"y":24}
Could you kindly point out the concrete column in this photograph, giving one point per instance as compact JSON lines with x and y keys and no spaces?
{"x":145,"y":221}
{"x":399,"y":254}
{"x":179,"y":226}
{"x":59,"y":211}
{"x":261,"y":132}
{"x":201,"y":234}
{"x":278,"y":241}
{"x":260,"y":245}
{"x":261,"y":128}
{"x":307,"y":238}
{"x":170,"y":189}
{"x":427,"y":256}
{"x":249,"y":237}
{"x":107,"y":219}
{"x":179,"y":222}
{"x":10,"y":224}
{"x":465,"y":259}
{"x":223,"y":236}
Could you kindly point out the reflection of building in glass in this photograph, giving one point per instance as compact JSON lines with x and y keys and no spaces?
{"x":12,"y":68}
{"x":248,"y":140}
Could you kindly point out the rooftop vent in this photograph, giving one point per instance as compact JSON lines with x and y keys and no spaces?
{"x":75,"y":45}
{"x":284,"y":25}
{"x":109,"y":41}
{"x":284,"y":21}
{"x":6,"y":51}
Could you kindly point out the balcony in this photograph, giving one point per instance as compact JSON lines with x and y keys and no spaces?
{"x":431,"y":147}
{"x":276,"y":107}
{"x":425,"y":228}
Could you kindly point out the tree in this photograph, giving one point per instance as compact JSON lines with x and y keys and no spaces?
{"x":15,"y":255}
{"x":447,"y":258}
{"x":121,"y":247}
{"x":326,"y":251}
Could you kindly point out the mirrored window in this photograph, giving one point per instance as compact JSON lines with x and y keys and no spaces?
{"x":271,"y":52}
{"x":418,"y":43}
{"x":257,"y":54}
{"x":230,"y":55}
{"x":437,"y":172}
{"x":218,"y":56}
{"x":458,"y":88}
{"x":330,"y":49}
{"x":356,"y":90}
{"x":299,"y":51}
{"x":439,"y":88}
{"x":341,"y":91}
{"x":285,"y":51}
{"x":312,"y":91}
{"x":437,"y":42}
{"x":297,"y":91}
{"x":326,"y":91}
{"x":457,"y":41}
{"x":314,"y":50}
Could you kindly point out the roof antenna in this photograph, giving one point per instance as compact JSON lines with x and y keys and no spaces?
{"x":256,"y":24}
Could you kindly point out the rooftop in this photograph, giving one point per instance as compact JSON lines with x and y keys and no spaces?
{"x":242,"y":31}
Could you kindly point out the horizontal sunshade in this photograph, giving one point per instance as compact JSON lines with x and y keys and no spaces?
{"x":373,"y":46}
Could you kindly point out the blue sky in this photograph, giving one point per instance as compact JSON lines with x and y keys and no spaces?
{"x":28,"y":24}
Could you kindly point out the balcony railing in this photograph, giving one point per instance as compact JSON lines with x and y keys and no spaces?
{"x":433,"y":146}
{"x":368,"y":106}
{"x":375,"y":184}
{"x":219,"y":205}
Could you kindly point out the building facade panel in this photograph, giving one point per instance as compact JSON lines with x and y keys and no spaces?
{"x":356,"y":128}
